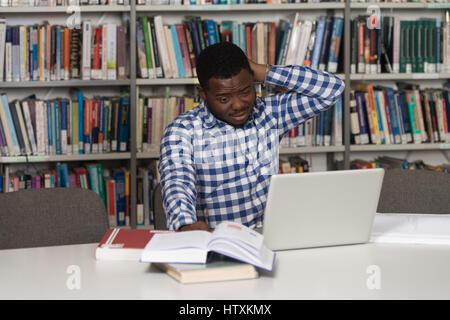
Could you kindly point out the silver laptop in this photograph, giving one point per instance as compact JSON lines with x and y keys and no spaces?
{"x":321,"y":208}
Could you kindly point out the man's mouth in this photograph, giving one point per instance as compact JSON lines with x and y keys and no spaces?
{"x":240,"y":116}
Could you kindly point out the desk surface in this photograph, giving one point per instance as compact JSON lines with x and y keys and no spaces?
{"x":368,"y":271}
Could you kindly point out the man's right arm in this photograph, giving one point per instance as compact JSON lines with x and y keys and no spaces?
{"x":178,"y":176}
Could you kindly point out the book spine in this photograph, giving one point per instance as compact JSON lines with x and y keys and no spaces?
{"x":87,"y":125}
{"x":124,"y":124}
{"x":111,"y":51}
{"x":64,"y":127}
{"x":86,"y":54}
{"x":142,"y":50}
{"x":177,"y":51}
{"x":336,"y":37}
{"x":80,"y":123}
{"x":148,"y":55}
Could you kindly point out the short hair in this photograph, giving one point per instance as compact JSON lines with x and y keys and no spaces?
{"x":222,"y":60}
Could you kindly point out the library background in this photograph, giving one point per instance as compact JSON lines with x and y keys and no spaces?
{"x":88,"y":86}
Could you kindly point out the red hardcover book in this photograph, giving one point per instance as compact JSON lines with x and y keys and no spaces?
{"x":184,"y":50}
{"x":96,"y":72}
{"x":124,"y":244}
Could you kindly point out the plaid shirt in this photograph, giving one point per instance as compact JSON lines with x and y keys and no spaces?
{"x":211,"y":171}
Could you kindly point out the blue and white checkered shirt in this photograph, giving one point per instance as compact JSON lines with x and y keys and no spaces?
{"x":211,"y":171}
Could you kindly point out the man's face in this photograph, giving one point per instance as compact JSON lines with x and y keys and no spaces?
{"x":230,"y":100}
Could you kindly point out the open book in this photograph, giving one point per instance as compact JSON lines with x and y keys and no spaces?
{"x":229,"y":239}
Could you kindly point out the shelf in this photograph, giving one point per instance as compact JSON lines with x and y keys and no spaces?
{"x":182,"y":81}
{"x":166,"y":82}
{"x":401,"y":147}
{"x":400,"y":76}
{"x":64,"y":83}
{"x":240,"y":7}
{"x":297,"y":150}
{"x":78,"y":157}
{"x":65,"y":9}
{"x":148,"y":155}
{"x":401,"y":5}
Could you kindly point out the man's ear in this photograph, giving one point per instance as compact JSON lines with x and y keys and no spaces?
{"x":201,"y":92}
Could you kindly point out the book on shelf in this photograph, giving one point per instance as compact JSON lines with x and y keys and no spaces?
{"x":382,"y":115}
{"x":325,"y":129}
{"x":153,"y":114}
{"x":229,"y":239}
{"x":294,"y":164}
{"x":79,"y":125}
{"x":217,"y":268}
{"x":45,"y":52}
{"x":59,"y":3}
{"x":112,"y":185}
{"x":400,"y":45}
{"x":388,"y":162}
{"x":124,"y":244}
{"x":303,"y":42}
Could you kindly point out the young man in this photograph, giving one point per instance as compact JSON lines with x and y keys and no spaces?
{"x":217,"y":159}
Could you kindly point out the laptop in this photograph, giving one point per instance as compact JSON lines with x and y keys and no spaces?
{"x":320,"y":209}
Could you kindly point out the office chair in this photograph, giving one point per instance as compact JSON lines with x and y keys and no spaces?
{"x":159,"y":214}
{"x":49,"y":217}
{"x":415,"y":191}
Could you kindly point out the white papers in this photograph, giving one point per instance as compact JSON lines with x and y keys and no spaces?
{"x":411,"y":228}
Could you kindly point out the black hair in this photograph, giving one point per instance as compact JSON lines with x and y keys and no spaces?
{"x":222,"y":60}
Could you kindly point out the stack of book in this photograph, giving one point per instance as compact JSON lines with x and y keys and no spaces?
{"x":64,"y":126}
{"x":170,"y":51}
{"x":381,"y":115}
{"x":396,"y":45}
{"x":52,"y":52}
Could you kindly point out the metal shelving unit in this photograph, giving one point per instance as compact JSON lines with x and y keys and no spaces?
{"x":240,"y":7}
{"x":133,"y":82}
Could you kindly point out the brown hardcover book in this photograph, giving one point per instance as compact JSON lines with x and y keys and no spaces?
{"x":121,"y":52}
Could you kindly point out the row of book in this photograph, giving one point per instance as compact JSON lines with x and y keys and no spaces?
{"x":112,"y":185}
{"x":387,"y":162}
{"x":58,"y":3}
{"x":380,"y":115}
{"x":52,"y":52}
{"x":225,"y":2}
{"x":153,"y":114}
{"x":399,"y":1}
{"x":325,"y":129}
{"x":64,"y":126}
{"x":395,"y":45}
{"x":171,"y":51}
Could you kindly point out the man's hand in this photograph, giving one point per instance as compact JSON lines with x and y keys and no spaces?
{"x":259,"y":71}
{"x":199,"y":225}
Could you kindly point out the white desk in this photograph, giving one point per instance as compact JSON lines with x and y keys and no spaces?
{"x":406,"y":272}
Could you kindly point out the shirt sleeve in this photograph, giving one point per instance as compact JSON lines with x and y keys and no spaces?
{"x":178,"y":176}
{"x":310,"y":92}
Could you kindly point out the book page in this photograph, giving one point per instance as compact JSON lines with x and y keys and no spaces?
{"x":179,"y":240}
{"x":239,"y":234}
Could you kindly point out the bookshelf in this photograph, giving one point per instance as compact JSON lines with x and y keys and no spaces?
{"x":130,"y":14}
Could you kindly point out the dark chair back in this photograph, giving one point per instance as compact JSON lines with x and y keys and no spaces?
{"x":49,"y":217}
{"x":159,"y":214}
{"x":415,"y":191}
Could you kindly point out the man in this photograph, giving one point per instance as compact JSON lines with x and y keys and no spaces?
{"x":217,"y":159}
